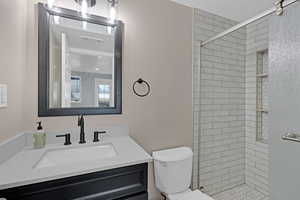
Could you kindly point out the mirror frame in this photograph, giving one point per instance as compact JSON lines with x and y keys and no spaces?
{"x":44,"y":109}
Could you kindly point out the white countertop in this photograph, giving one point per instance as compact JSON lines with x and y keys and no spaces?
{"x":19,"y":170}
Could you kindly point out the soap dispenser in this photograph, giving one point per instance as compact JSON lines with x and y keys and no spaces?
{"x":39,"y":137}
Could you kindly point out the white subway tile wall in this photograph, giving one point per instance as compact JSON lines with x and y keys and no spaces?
{"x":226,"y":151}
{"x":220,"y":109}
{"x":256,"y":152}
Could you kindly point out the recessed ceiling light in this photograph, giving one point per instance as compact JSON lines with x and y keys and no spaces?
{"x":97,"y":69}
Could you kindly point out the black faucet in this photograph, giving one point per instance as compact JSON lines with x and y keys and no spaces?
{"x":82,"y":134}
{"x":96,"y":135}
{"x":67,"y":138}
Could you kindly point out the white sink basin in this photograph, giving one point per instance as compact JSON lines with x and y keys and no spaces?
{"x":69,"y":156}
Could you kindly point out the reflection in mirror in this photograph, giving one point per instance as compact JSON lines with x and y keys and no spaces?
{"x":81,"y":72}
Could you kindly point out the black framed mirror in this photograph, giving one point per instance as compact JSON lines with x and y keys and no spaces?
{"x":80,"y":63}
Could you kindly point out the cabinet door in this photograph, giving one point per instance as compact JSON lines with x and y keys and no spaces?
{"x":106,"y":185}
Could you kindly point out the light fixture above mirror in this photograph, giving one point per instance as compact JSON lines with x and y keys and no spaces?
{"x":112,"y":10}
{"x":88,"y":3}
{"x":50,"y":3}
{"x":85,"y":4}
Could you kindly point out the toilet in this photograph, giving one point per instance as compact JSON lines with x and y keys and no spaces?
{"x":173,"y":174}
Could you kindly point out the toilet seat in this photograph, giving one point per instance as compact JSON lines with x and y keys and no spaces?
{"x":189,"y":195}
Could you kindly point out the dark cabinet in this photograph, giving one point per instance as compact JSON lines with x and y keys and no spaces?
{"x":127,"y":183}
{"x":142,"y":196}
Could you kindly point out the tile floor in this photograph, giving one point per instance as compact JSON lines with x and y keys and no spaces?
{"x":242,"y":192}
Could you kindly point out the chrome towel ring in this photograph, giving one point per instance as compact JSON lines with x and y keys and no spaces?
{"x":141,"y":81}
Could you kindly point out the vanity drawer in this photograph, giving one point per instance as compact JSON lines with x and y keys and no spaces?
{"x":128,"y":183}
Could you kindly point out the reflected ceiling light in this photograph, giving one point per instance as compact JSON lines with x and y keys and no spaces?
{"x":97,"y":69}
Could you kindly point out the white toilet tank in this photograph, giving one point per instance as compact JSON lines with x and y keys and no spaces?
{"x":173,"y":169}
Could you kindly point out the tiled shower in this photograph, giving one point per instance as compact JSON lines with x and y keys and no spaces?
{"x":230,"y":109}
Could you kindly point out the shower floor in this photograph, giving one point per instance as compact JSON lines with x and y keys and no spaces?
{"x":242,"y":192}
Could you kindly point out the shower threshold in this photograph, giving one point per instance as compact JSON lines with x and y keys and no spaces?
{"x":242,"y":192}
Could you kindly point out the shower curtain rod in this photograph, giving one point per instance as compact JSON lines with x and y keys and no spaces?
{"x":245,"y":23}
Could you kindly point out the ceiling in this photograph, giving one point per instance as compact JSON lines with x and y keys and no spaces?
{"x":238,"y":10}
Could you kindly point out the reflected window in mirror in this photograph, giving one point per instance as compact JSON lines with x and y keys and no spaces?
{"x":104,"y":97}
{"x":75,"y":89}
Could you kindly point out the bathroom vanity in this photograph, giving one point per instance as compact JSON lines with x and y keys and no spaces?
{"x":116,"y":167}
{"x":128,"y":183}
{"x":80,"y":73}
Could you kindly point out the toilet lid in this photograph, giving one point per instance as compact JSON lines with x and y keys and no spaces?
{"x":195,"y":195}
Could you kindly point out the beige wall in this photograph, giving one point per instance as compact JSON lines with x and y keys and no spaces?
{"x":12,"y":63}
{"x":157,"y":47}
